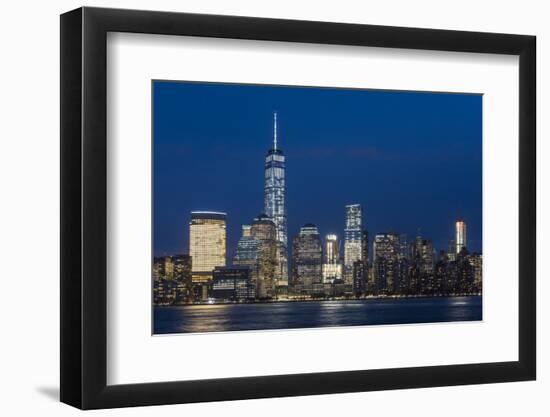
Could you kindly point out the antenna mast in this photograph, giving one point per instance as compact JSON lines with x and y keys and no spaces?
{"x":275,"y":131}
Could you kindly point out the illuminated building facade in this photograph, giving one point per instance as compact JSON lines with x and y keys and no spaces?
{"x":332,"y":267}
{"x":365,"y":247}
{"x":385,"y":252}
{"x":265,"y":232}
{"x":168,"y":292}
{"x":248,"y":253}
{"x":171,"y":279}
{"x":360,"y":275}
{"x":460,"y":235}
{"x":307,"y":257}
{"x":398,"y":267}
{"x":352,"y":240}
{"x":275,"y":203}
{"x":423,"y":279}
{"x":163,"y":267}
{"x":361,"y":267}
{"x":476,"y":260}
{"x":465,"y":272}
{"x":182,"y":266}
{"x":207,"y":243}
{"x":423,"y":251}
{"x":451,"y":252}
{"x":231,"y":284}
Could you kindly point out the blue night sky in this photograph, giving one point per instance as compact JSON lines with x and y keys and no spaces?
{"x":413,"y":160}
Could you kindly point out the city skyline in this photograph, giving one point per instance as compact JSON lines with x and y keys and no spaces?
{"x":330,"y":222}
{"x":398,"y":268}
{"x":259,"y":271}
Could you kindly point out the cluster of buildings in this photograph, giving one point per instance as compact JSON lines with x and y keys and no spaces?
{"x":260,"y":269}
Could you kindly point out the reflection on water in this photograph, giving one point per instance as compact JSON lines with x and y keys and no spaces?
{"x":307,"y":314}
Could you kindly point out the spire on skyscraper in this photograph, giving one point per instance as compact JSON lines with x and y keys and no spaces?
{"x":275,"y":131}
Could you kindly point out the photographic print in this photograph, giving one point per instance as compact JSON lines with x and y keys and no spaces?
{"x":289,"y":207}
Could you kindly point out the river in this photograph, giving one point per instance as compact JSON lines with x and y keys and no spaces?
{"x":308,"y":314}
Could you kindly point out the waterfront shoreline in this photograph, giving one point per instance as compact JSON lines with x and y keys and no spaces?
{"x":303,"y":300}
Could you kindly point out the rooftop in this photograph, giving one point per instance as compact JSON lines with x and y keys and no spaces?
{"x":208,"y":215}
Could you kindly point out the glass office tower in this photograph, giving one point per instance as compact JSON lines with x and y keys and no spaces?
{"x":332,"y":268}
{"x":460,"y":235}
{"x":352,"y":239}
{"x":307,"y":257}
{"x":275,"y":203}
{"x":248,"y":254}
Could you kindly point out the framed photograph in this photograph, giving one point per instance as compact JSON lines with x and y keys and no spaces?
{"x":258,"y":208}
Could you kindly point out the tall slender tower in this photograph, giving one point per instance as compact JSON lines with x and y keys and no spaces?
{"x":352,"y":239}
{"x":460,"y":235}
{"x":275,"y":203}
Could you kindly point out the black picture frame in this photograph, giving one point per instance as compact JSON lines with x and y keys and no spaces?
{"x":84,"y":207}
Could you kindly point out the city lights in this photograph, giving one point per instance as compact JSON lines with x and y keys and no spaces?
{"x":259,"y":270}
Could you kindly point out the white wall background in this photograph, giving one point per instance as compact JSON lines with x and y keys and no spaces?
{"x":29,"y":225}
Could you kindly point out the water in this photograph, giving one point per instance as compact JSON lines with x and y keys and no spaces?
{"x":307,"y":314}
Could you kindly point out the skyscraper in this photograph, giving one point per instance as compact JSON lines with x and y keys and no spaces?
{"x":476,"y":260}
{"x":361,"y":267}
{"x":423,"y":262}
{"x":385,"y":253}
{"x":275,"y":203}
{"x":365,"y":247}
{"x":332,"y":267}
{"x":465,"y":271}
{"x":359,"y":278}
{"x":451,"y":251}
{"x":307,"y":256}
{"x":352,"y":242}
{"x":248,"y":254}
{"x":207,"y":243}
{"x":423,"y":252}
{"x":264,"y":231}
{"x":460,"y":235}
